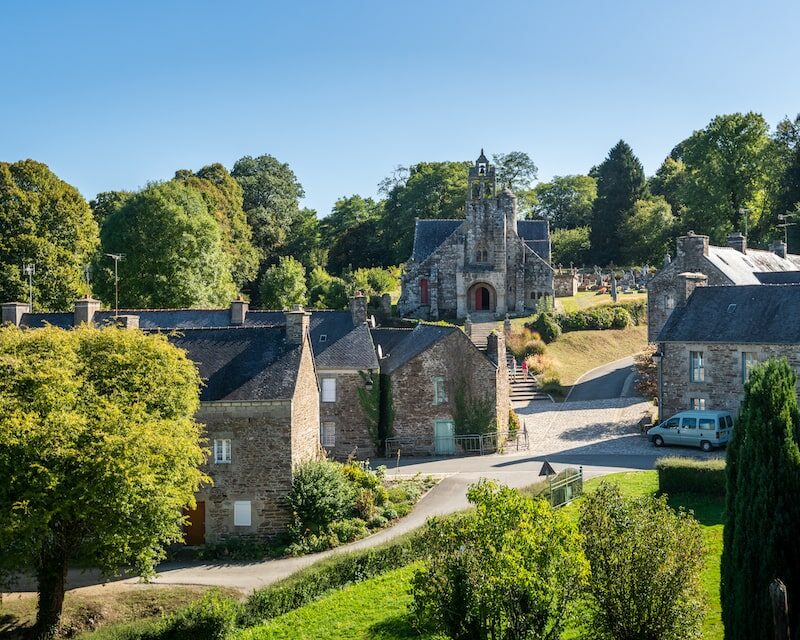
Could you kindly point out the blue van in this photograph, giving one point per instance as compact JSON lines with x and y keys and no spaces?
{"x":704,"y":429}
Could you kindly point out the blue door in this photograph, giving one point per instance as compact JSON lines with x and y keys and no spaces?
{"x":444,"y":437}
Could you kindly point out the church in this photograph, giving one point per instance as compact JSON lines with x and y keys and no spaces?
{"x":488,"y":263}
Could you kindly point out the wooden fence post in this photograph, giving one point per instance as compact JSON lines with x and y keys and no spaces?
{"x":780,"y":609}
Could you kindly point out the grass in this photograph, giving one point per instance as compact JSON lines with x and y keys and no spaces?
{"x":586,"y":299}
{"x":90,"y":609}
{"x":379,"y":608}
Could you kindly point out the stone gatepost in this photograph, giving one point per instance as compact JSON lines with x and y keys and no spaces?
{"x":507,"y":326}
{"x":468,"y":325}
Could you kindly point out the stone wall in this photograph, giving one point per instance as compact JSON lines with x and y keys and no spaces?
{"x":352,"y":431}
{"x":565,"y":284}
{"x":723,"y":387}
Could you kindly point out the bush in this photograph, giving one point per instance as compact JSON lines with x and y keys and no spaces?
{"x":688,"y":475}
{"x":524,"y":343}
{"x":213,"y":617}
{"x":621,"y":318}
{"x":513,"y":424}
{"x":348,"y":530}
{"x":320,"y":495}
{"x":551,"y":382}
{"x":546,"y":326}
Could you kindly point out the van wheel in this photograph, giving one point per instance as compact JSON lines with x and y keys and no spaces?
{"x":705,"y":445}
{"x":658,"y":441}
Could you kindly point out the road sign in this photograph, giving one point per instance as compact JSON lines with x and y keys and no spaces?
{"x":547,"y":470}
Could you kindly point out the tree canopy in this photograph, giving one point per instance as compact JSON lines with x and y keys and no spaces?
{"x":566,"y":201}
{"x":284,"y":285}
{"x":44,"y":221}
{"x":99,"y":453}
{"x":515,"y":169}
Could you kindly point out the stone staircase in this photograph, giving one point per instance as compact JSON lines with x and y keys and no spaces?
{"x":482,"y":325}
{"x":522,"y":390}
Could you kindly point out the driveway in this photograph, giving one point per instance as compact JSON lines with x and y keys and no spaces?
{"x":612,"y":380}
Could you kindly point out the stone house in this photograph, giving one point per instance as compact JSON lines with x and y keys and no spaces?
{"x":714,"y":337}
{"x":427,"y":368}
{"x":488,"y":262}
{"x":735,"y":264}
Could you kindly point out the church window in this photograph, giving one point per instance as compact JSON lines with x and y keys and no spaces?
{"x":481,"y":255}
{"x":424,"y":293}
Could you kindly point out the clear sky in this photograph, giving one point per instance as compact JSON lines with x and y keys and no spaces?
{"x":112,"y":95}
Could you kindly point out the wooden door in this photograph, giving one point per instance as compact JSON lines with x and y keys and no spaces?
{"x":194,"y":531}
{"x":479,"y":299}
{"x":486,"y":303}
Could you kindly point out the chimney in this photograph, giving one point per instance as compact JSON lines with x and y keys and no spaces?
{"x":13,"y":311}
{"x":693,"y":245}
{"x":737,"y":241}
{"x":358,"y":308}
{"x":690,"y":281}
{"x":496,"y":347}
{"x":298,"y":322}
{"x":85,"y":308}
{"x":239,"y":309}
{"x":127,"y":321}
{"x":778,"y":248}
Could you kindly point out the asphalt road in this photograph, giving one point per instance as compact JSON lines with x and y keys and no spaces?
{"x":612,"y":380}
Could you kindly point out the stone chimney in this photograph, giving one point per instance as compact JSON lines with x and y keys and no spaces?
{"x":688,"y":283}
{"x":127,"y":321}
{"x":13,"y":311}
{"x":298,"y":322}
{"x":778,"y":248}
{"x":496,"y":347}
{"x":239,"y":309}
{"x":737,"y":241}
{"x":693,"y":245}
{"x":85,"y":308}
{"x":358,"y":308}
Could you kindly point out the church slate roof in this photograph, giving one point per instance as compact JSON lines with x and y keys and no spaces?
{"x":242,"y":363}
{"x":536,"y":234}
{"x":430,"y":234}
{"x":737,"y":314}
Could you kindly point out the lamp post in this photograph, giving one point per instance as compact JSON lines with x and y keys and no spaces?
{"x":658,"y":358}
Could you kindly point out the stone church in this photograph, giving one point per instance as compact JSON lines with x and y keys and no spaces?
{"x":489,"y":262}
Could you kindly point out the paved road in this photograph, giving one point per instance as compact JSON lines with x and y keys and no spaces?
{"x":612,"y":380}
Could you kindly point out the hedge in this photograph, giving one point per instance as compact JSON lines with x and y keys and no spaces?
{"x":689,"y":475}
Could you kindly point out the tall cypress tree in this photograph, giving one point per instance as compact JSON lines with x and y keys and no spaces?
{"x":620,"y":183}
{"x":762,"y":518}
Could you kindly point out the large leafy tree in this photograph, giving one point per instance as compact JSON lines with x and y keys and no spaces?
{"x":620,"y":183}
{"x":647,"y":235}
{"x":353,"y":232}
{"x":571,"y":246}
{"x":305,"y":240}
{"x":762,"y":515}
{"x":566,"y":201}
{"x":646,"y":561}
{"x":787,"y":139}
{"x":284,"y":284}
{"x":106,"y":203}
{"x":99,"y":453}
{"x":175,"y":251}
{"x":45,"y":221}
{"x":427,"y":190}
{"x":515,"y":169}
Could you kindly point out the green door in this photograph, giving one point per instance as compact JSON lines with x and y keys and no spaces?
{"x":443,"y":437}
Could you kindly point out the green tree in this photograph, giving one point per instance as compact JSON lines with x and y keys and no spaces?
{"x":511,"y":569}
{"x":669,"y":181}
{"x":648,"y":234}
{"x":566,"y":201}
{"x":570,"y":246}
{"x":787,"y":200}
{"x":515,"y":170}
{"x":175,"y":251}
{"x":646,"y":561}
{"x":284,"y":285}
{"x":99,"y":453}
{"x":326,"y":291}
{"x":373,"y":281}
{"x":106,"y":203}
{"x":305,"y":240}
{"x":620,"y":183}
{"x":762,"y":514}
{"x":354,"y":233}
{"x":45,"y":221}
{"x":428,"y":190}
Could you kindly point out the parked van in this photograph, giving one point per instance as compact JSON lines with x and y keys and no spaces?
{"x":704,"y":429}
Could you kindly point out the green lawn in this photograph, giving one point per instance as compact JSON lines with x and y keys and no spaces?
{"x":585,"y":299}
{"x":378,"y":608}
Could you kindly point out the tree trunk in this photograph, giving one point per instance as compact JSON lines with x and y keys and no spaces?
{"x":51,"y":575}
{"x":780,"y":610}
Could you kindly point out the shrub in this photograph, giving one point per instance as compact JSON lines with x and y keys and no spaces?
{"x":551,"y":382}
{"x":213,"y":617}
{"x":524,"y":343}
{"x":365,"y":504}
{"x":539,"y":364}
{"x":546,"y":326}
{"x":602,"y":317}
{"x":621,"y":318}
{"x":646,"y":373}
{"x":688,"y":475}
{"x":513,"y":423}
{"x":320,"y":494}
{"x":348,"y":530}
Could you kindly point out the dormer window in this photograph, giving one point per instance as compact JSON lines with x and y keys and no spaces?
{"x":323,"y":338}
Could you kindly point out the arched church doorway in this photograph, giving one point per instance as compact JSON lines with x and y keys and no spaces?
{"x":482,"y":297}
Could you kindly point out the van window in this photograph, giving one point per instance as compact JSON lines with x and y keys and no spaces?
{"x":728,"y":421}
{"x":672,"y":423}
{"x":690,"y":423}
{"x":709,"y":424}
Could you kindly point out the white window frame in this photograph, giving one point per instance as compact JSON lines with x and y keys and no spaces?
{"x":328,"y":389}
{"x":749,"y":359}
{"x":697,"y":366}
{"x":327,"y":434}
{"x":439,"y":390}
{"x":697,"y":404}
{"x":222,"y":451}
{"x":242,"y":513}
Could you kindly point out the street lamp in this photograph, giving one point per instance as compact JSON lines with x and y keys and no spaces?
{"x":658,"y":358}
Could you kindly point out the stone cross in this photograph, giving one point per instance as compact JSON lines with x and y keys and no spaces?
{"x":614,"y":287}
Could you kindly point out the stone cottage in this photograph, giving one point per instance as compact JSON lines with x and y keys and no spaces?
{"x":489,"y":262}
{"x":714,"y":337}
{"x":429,"y":368}
{"x":735,"y":264}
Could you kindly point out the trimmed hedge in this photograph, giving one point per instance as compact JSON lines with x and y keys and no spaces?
{"x":689,"y":475}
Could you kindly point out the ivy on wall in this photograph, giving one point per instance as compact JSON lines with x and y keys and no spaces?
{"x":375,"y":398}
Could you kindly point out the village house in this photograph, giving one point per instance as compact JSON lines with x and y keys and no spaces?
{"x":714,"y":337}
{"x":735,"y":264}
{"x":490,"y":262}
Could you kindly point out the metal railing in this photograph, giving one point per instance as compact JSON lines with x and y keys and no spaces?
{"x":458,"y":445}
{"x":565,"y":487}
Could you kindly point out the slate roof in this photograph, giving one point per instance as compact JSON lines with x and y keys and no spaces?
{"x":387,"y":338}
{"x":39,"y":320}
{"x":737,"y":314}
{"x":536,"y":234}
{"x":242,"y":363}
{"x":430,"y":234}
{"x":778,"y":277}
{"x":742,"y":268}
{"x":353,"y":351}
{"x":414,"y":342}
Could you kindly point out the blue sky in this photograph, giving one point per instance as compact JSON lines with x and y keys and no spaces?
{"x":113,"y":95}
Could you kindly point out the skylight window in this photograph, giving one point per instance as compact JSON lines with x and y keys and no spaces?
{"x":323,"y":337}
{"x":731,"y":308}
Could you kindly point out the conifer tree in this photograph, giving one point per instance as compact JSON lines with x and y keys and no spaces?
{"x":620,"y":183}
{"x":762,"y":512}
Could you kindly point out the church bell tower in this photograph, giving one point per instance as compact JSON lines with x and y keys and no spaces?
{"x":481,"y":179}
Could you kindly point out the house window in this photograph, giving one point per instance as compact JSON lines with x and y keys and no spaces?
{"x":697,"y":363}
{"x":329,"y":389}
{"x":424,"y":293}
{"x":328,"y":434}
{"x":439,"y":391}
{"x":749,"y":360}
{"x":222,"y":451}
{"x":697,"y":404}
{"x":242,"y":516}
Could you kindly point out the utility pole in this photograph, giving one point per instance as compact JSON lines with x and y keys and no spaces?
{"x":116,"y":257}
{"x":29,"y":269}
{"x":783,"y":217}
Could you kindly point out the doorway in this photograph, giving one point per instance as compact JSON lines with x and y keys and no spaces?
{"x":194,"y":531}
{"x":444,"y":442}
{"x":481,"y":297}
